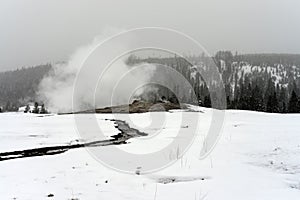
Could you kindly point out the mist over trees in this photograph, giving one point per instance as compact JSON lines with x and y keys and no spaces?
{"x":258,"y":82}
{"x":19,"y":87}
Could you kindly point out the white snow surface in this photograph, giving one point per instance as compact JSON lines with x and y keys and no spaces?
{"x":257,"y":157}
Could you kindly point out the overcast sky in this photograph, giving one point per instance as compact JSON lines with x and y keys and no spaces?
{"x":40,"y":31}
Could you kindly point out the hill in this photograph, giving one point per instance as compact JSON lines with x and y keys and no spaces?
{"x":260,"y":82}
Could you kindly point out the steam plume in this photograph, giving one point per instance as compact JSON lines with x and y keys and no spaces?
{"x":56,"y":89}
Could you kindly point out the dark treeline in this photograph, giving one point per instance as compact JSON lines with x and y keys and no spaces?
{"x":261,"y":82}
{"x":19,"y":87}
{"x":258,"y":82}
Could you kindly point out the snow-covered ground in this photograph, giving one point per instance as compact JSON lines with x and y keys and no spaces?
{"x":257,"y":157}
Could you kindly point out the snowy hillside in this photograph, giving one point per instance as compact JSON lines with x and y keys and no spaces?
{"x":279,"y":73}
{"x":257,"y":157}
{"x":258,"y":82}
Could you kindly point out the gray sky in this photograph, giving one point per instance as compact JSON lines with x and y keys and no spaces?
{"x":34,"y":31}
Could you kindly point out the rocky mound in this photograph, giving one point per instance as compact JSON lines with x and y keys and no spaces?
{"x":140,"y":107}
{"x":136,"y":107}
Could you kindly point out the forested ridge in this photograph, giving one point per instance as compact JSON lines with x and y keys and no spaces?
{"x":259,"y":82}
{"x":19,"y":87}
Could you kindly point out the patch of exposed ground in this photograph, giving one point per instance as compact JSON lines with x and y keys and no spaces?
{"x":178,"y":179}
{"x":136,"y":107}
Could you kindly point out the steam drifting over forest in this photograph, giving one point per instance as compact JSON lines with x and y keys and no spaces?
{"x":261,"y":82}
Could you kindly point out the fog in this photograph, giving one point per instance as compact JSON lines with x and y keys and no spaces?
{"x":102,"y":85}
{"x":35,"y":32}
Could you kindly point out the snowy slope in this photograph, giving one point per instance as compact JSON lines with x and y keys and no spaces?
{"x":257,"y":157}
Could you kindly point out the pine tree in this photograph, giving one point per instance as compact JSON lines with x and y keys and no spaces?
{"x":283,"y":109}
{"x":36,"y":108}
{"x":43,"y":109}
{"x":275,"y":103}
{"x":207,"y":101}
{"x":228,"y":102}
{"x":293,"y":103}
{"x":269,"y":91}
{"x":272,"y":104}
{"x":27,"y":109}
{"x":282,"y":100}
{"x":256,"y":99}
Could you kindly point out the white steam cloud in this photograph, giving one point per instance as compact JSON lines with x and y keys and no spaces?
{"x":119,"y":81}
